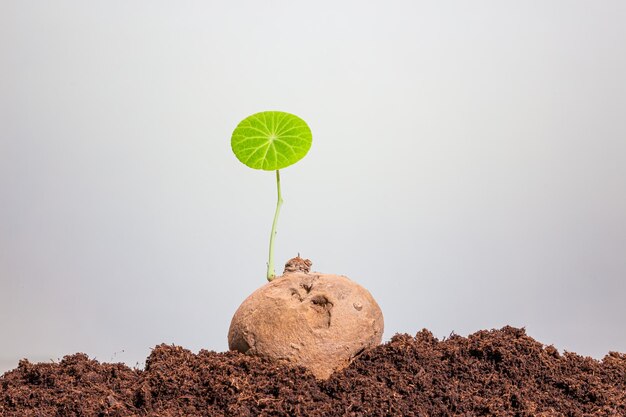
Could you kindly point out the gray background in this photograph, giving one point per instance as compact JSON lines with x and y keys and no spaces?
{"x":468,"y":167}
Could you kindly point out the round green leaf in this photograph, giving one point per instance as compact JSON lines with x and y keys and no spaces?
{"x":271,"y":140}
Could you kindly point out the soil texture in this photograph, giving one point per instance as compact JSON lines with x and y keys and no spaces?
{"x":490,"y":373}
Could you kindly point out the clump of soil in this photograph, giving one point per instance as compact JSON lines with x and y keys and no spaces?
{"x":498,"y":372}
{"x":319,"y":321}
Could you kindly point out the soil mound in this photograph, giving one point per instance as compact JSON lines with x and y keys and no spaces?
{"x":499,"y":372}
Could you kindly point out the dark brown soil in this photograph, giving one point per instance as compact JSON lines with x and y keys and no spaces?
{"x":499,"y":372}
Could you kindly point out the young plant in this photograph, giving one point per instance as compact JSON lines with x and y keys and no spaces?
{"x":310,"y":319}
{"x":271,"y":141}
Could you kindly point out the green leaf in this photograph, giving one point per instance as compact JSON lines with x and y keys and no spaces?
{"x":271,"y":140}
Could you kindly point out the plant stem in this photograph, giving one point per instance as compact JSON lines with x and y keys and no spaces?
{"x":271,"y":273}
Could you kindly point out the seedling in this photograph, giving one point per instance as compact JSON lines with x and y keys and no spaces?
{"x":271,"y":141}
{"x":319,"y":321}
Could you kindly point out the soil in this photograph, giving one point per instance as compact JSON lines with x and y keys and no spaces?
{"x":497,"y":373}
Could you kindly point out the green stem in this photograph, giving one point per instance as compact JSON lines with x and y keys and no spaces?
{"x":271,"y":273}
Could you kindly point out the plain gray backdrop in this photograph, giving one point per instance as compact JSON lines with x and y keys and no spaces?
{"x":468,"y":167}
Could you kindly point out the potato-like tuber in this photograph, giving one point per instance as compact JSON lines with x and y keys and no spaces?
{"x":319,"y":321}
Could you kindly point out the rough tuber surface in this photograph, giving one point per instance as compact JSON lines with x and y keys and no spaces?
{"x":319,"y":321}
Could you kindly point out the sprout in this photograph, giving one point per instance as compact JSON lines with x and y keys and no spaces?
{"x":271,"y":141}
